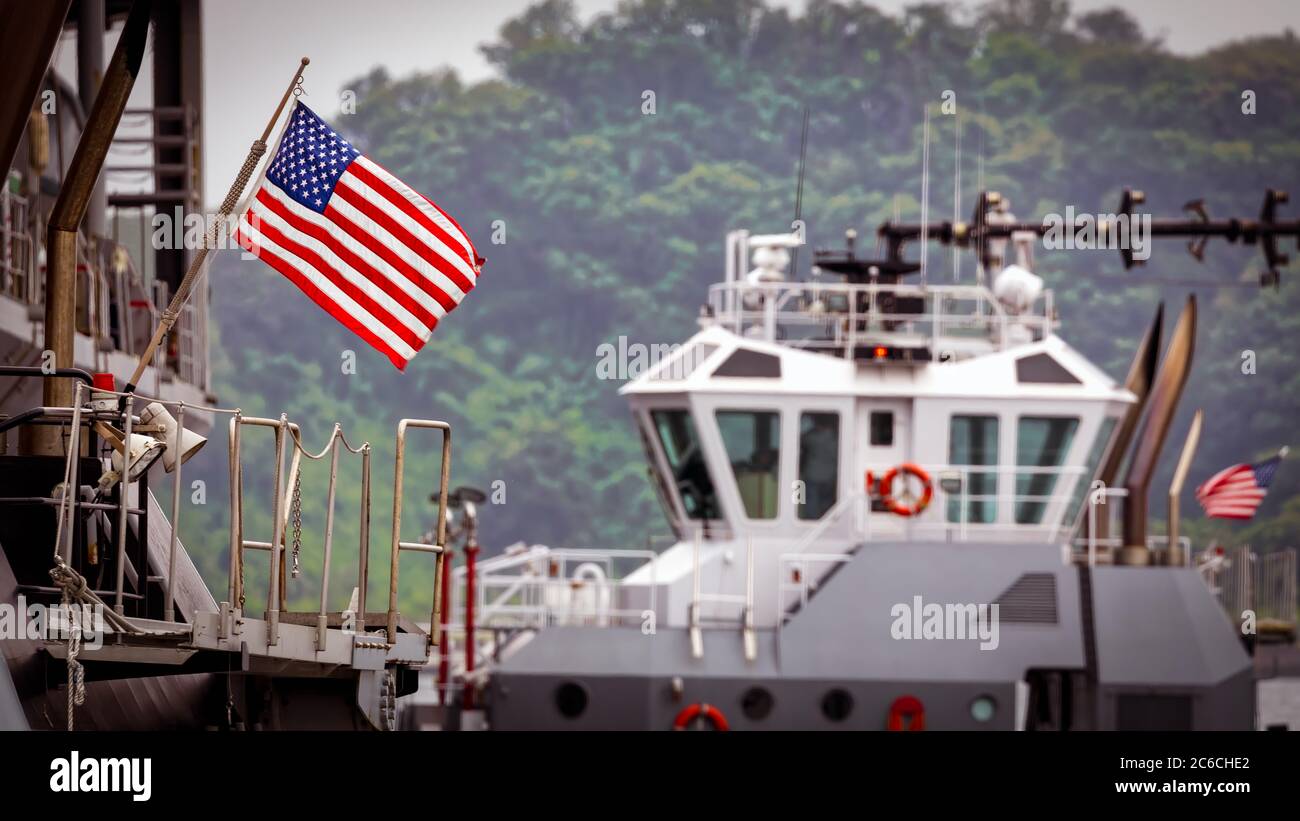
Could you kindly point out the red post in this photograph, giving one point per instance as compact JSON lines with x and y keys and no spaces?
{"x":471,"y":550}
{"x":444,"y":660}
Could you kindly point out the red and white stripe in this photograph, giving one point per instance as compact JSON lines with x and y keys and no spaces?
{"x":1232,"y":493}
{"x":383,"y":259}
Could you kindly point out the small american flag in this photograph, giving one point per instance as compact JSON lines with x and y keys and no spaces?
{"x":377,"y":255}
{"x":1235,"y":492}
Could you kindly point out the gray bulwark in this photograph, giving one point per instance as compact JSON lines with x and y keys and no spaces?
{"x":1158,"y":625}
{"x":845,"y":630}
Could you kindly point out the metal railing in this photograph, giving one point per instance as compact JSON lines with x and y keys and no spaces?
{"x":438,"y":548}
{"x":839,"y":317}
{"x":1244,"y":581}
{"x":17,"y":250}
{"x":542,"y":586}
{"x":938,"y":522}
{"x":71,"y":506}
{"x":114,"y":303}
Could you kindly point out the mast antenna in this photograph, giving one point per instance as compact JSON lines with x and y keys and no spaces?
{"x":925,"y":193}
{"x":956,"y":194}
{"x":798,"y":191}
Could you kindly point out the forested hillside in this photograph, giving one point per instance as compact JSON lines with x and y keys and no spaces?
{"x":611,"y":221}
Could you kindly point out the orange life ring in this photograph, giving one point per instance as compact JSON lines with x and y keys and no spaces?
{"x":887,"y":490}
{"x":694,"y":711}
{"x":908,"y":707}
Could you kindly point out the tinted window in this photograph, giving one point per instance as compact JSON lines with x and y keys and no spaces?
{"x":1084,"y":481}
{"x":753,"y":443}
{"x":973,"y":442}
{"x":1041,"y":442}
{"x":685,"y":459}
{"x":819,"y":463}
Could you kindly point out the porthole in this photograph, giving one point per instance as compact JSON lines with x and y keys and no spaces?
{"x":756,"y":703}
{"x":837,"y":704}
{"x":571,"y":699}
{"x":983,"y":708}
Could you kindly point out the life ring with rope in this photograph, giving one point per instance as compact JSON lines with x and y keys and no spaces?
{"x":689,"y":714}
{"x":895,"y":506}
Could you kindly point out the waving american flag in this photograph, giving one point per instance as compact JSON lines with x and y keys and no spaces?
{"x":377,"y":255}
{"x":1236,"y":492}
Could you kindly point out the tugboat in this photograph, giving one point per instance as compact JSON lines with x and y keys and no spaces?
{"x":896,"y":504}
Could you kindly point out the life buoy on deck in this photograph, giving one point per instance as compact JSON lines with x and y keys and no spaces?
{"x":906,"y":707}
{"x":694,"y":711}
{"x":887,"y":490}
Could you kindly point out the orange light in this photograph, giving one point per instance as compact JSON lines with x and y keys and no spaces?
{"x":881,"y":352}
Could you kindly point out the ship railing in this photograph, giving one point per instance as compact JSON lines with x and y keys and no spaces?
{"x":1248,"y":583}
{"x":17,"y":251}
{"x":840,"y":318}
{"x":83,"y":419}
{"x":94,"y":294}
{"x":961,"y":515}
{"x":541,"y":586}
{"x":109,"y":309}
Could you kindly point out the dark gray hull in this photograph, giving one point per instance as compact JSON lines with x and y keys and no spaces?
{"x":1078,"y":648}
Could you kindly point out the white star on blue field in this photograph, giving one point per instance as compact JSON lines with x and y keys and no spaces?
{"x":311,"y":159}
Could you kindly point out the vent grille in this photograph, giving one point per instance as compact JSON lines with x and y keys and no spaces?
{"x":1030,"y":600}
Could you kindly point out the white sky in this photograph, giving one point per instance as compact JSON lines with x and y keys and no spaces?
{"x":251,"y":46}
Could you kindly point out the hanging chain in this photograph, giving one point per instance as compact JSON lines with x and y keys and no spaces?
{"x":240,"y":557}
{"x":297,"y":523}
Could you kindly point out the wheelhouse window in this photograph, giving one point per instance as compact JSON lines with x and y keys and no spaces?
{"x":973,"y":443}
{"x":681,"y":445}
{"x":654,"y":472}
{"x":1042,"y":443}
{"x":753,"y":443}
{"x":1084,"y":480}
{"x":819,"y":463}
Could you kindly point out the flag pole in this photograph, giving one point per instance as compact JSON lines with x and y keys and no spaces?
{"x":233,"y":196}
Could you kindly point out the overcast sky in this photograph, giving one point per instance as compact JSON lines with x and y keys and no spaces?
{"x":251,"y":46}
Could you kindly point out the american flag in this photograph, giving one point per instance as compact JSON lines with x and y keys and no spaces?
{"x":377,"y":255}
{"x":1235,"y":492}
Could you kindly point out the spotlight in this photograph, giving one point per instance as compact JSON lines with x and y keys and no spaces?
{"x":140,"y":454}
{"x":156,"y":414}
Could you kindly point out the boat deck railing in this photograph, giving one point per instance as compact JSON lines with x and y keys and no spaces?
{"x":319,"y":638}
{"x":851,"y":320}
{"x":1254,"y":584}
{"x":540,"y":586}
{"x":117,"y":307}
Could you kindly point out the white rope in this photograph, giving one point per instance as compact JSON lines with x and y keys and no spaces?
{"x":76,"y":673}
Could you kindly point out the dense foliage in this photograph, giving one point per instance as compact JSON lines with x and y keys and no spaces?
{"x":613,"y":223}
